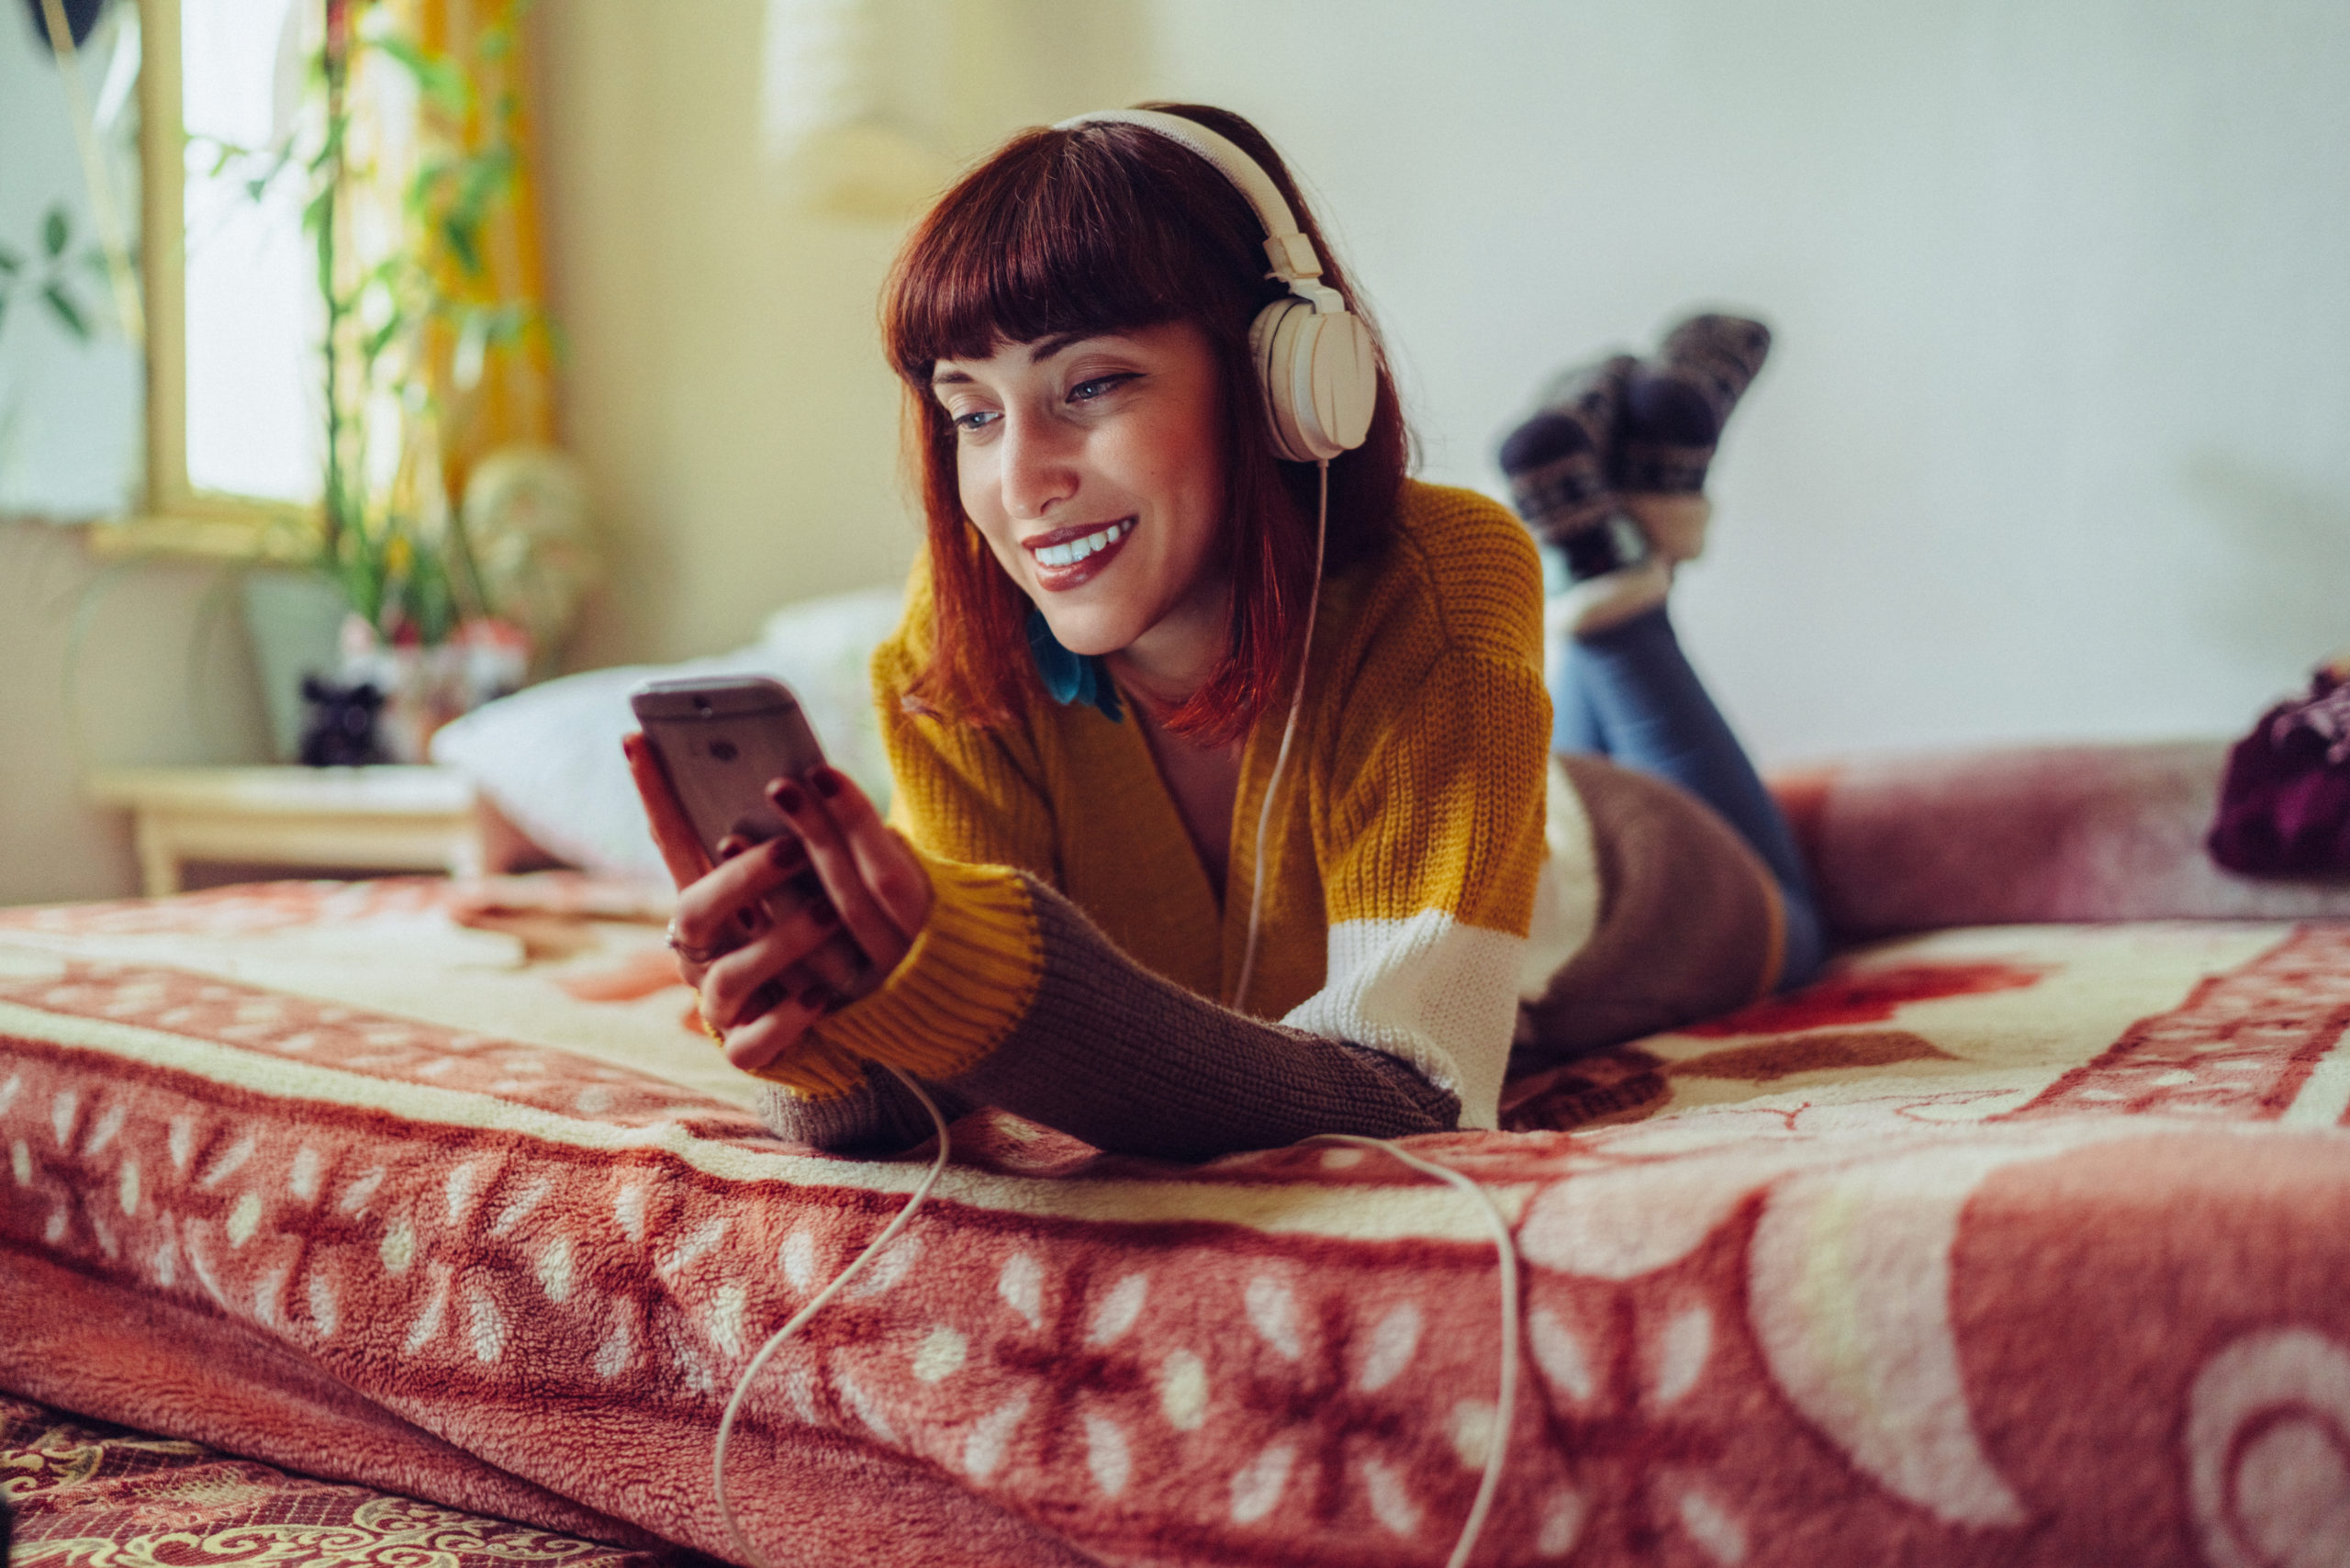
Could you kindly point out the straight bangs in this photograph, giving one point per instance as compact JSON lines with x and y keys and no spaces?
{"x":1048,"y":238}
{"x":1100,"y":228}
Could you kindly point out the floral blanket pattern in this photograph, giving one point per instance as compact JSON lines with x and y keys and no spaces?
{"x":2017,"y":1245}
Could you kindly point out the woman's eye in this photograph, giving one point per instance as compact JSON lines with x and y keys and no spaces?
{"x":975,"y":421}
{"x":1096,"y":387}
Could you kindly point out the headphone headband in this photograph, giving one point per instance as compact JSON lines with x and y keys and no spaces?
{"x":1286,"y":246}
{"x":1317,"y":365}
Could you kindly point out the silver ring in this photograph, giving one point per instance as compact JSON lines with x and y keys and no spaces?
{"x":691,"y":953}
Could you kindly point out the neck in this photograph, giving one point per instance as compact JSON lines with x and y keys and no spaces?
{"x":1167,"y":664}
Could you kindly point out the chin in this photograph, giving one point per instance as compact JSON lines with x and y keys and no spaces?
{"x":1089,"y":633}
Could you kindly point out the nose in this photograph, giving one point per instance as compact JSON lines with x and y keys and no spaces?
{"x":1039,"y":470}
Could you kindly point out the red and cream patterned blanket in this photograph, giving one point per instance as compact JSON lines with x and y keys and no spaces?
{"x":2022,"y":1245}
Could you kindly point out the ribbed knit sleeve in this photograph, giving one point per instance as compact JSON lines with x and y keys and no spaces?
{"x":1011,"y":997}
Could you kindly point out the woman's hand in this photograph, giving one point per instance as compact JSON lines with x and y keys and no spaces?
{"x":776,"y":961}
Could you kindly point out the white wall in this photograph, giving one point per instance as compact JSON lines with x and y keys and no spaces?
{"x":105,"y":665}
{"x":2056,"y":441}
{"x":725,"y":388}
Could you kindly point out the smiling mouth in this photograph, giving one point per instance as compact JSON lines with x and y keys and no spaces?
{"x":1072,"y":557}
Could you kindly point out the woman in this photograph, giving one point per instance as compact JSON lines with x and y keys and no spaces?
{"x":1101,"y":908}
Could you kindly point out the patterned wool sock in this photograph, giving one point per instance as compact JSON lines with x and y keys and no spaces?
{"x":1672,"y":413}
{"x":1557,"y":463}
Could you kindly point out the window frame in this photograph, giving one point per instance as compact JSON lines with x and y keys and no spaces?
{"x":173,"y":517}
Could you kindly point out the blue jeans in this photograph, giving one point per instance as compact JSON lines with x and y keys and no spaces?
{"x":1628,"y":694}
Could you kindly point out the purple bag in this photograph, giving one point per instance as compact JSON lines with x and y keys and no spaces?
{"x":2285,"y":803}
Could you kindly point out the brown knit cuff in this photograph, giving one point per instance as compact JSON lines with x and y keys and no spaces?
{"x":960,"y":989}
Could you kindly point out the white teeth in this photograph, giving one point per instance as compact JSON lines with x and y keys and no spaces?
{"x":1077,"y":550}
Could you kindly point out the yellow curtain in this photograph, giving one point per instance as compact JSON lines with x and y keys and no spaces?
{"x":512,"y":401}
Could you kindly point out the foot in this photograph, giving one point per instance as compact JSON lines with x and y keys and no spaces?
{"x":1558,"y":461}
{"x":1672,"y":413}
{"x":1557,"y":464}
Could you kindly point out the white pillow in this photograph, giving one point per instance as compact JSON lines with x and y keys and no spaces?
{"x":549,"y":756}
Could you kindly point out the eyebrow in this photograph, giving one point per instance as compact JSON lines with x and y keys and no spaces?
{"x":1045,"y":349}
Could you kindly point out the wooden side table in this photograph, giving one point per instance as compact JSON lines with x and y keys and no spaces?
{"x":391,"y":819}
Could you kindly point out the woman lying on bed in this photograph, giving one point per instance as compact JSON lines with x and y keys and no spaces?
{"x":1090,"y":912}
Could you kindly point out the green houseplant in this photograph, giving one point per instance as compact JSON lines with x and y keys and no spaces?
{"x":399,"y":219}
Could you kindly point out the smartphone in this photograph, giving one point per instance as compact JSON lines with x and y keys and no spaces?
{"x":722,"y":739}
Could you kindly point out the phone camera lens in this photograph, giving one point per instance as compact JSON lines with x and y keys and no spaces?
{"x":723,"y":751}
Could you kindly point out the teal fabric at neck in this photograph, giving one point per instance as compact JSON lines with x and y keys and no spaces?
{"x":1070,"y":677}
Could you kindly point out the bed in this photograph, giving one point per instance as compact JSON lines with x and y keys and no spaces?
{"x":2022,"y":1236}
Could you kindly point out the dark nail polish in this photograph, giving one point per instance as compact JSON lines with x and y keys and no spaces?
{"x":783,"y":852}
{"x":788,"y":798}
{"x":815,"y":998}
{"x":827,"y":782}
{"x":824,"y":915}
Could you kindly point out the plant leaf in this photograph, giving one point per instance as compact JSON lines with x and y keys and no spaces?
{"x":11,"y":262}
{"x":371,"y":347}
{"x":56,"y":228}
{"x":62,"y":305}
{"x":437,"y":78}
{"x":461,"y":240}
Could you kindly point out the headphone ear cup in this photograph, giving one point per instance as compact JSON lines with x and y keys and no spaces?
{"x":1268,"y":350}
{"x":1319,"y":378}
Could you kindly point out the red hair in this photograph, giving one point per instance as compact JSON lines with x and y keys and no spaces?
{"x":1108,"y":227}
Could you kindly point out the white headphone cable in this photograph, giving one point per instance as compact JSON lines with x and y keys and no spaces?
{"x":1505,"y":1400}
{"x":1288,"y":732}
{"x":750,"y":1553}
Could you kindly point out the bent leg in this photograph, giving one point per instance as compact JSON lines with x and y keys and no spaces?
{"x":1646,"y":709}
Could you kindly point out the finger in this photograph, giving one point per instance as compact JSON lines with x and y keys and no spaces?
{"x":729,"y":984}
{"x":768,"y":1036}
{"x":840,"y":963}
{"x":883,"y":943}
{"x":890,"y":868}
{"x":794,"y":980}
{"x":680,"y":846}
{"x":710,"y":910}
{"x":754,"y":917}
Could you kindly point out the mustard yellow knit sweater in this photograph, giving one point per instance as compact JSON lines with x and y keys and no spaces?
{"x":1078,"y":964}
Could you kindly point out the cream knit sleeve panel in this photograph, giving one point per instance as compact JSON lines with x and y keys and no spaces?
{"x":1430,"y":862}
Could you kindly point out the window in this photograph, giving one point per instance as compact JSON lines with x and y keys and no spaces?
{"x":226,"y":303}
{"x":252,"y":317}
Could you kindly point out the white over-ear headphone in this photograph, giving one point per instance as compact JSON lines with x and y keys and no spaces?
{"x":1315,"y":359}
